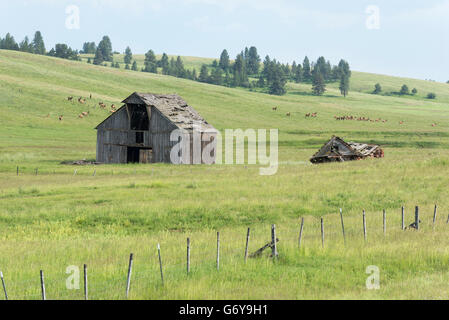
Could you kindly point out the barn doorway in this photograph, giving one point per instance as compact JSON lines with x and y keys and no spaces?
{"x":139,"y":155}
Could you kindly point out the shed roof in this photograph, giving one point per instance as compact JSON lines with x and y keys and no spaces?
{"x":174,"y":108}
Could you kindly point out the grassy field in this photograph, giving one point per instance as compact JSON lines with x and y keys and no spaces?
{"x":55,"y":218}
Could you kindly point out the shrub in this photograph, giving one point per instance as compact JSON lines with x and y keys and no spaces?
{"x":431,"y":95}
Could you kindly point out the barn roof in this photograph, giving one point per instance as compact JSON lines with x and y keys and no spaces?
{"x":174,"y":108}
{"x":336,"y":149}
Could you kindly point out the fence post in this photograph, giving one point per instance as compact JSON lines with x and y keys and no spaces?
{"x":434,"y":215}
{"x":385,"y":222}
{"x":95,"y":172}
{"x":417,"y":217}
{"x":342,"y":226}
{"x":36,"y":171}
{"x":17,"y":171}
{"x":130,"y":268}
{"x":402,"y":218}
{"x":74,"y":172}
{"x":322,"y":232}
{"x":43,"y":285}
{"x":188,"y":255}
{"x":218,"y":250}
{"x":274,"y":249}
{"x":86,"y":296}
{"x":364,"y":225}
{"x":300,"y":233}
{"x":160,"y":262}
{"x":3,"y":284}
{"x":247,"y":244}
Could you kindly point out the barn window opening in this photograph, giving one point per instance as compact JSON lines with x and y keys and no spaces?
{"x":139,"y":137}
{"x":139,"y":117}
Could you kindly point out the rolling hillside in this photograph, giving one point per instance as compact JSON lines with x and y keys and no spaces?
{"x":53,"y":215}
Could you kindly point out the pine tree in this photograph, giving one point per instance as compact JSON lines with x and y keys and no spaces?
{"x":38,"y":43}
{"x":344,"y":85}
{"x":414,"y":91}
{"x":318,"y":84}
{"x":404,"y":90}
{"x":134,"y":66}
{"x":217,"y":76}
{"x":306,"y":69}
{"x":164,"y":64}
{"x":224,"y":60}
{"x":150,"y":62}
{"x":298,"y":75}
{"x":128,"y":56}
{"x":105,"y":47}
{"x":377,"y":89}
{"x":127,"y":66}
{"x":26,"y":46}
{"x":278,"y":81}
{"x":204,"y":74}
{"x":253,"y":61}
{"x":9,"y":43}
{"x":179,"y":65}
{"x":98,"y":59}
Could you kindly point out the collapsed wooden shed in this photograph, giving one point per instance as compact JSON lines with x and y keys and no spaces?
{"x":337,"y":150}
{"x":139,"y":132}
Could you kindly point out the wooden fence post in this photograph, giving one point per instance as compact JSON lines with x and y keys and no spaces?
{"x":417,"y":217}
{"x":160,"y":262}
{"x":3,"y":284}
{"x":247,"y":244}
{"x":74,"y":172}
{"x":218,"y":250}
{"x":322,"y":232}
{"x":364,"y":225}
{"x":95,"y":172}
{"x":434,"y":215}
{"x":188,"y":255}
{"x":17,"y":170}
{"x":385,"y":222}
{"x":86,"y":296}
{"x":273,"y":241}
{"x":402,"y":219}
{"x":300,"y":233}
{"x":43,"y":285}
{"x":342,"y":226}
{"x":128,"y":280}
{"x":36,"y":170}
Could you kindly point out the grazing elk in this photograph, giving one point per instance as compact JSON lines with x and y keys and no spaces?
{"x":275,"y":108}
{"x":288,"y":114}
{"x":81,"y":100}
{"x":70,"y":98}
{"x":60,"y":117}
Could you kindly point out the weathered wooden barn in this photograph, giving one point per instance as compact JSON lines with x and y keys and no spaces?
{"x":139,"y":132}
{"x":337,"y":150}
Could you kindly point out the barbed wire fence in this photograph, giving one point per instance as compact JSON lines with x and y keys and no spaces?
{"x":162,"y":264}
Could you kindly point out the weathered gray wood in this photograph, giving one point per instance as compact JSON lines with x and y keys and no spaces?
{"x":385,"y":222}
{"x":259,"y":252}
{"x":300,"y":233}
{"x":322,"y":232}
{"x":95,"y":172}
{"x":160,"y":262}
{"x":44,"y":297}
{"x":273,"y":241}
{"x":130,"y":269}
{"x":402,"y":219}
{"x":364,"y":226}
{"x":342,"y":226}
{"x":247,"y":244}
{"x":434,"y":215}
{"x":417,"y":217}
{"x":188,"y":255}
{"x":4,"y":286}
{"x":86,"y":293}
{"x":218,"y":250}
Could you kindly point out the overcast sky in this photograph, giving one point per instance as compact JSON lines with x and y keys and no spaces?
{"x":403,"y":37}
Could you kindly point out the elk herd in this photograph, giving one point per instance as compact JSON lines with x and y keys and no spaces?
{"x":83,"y":101}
